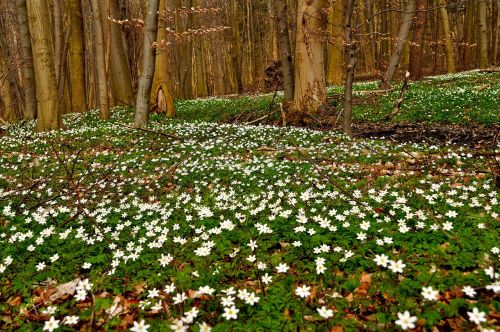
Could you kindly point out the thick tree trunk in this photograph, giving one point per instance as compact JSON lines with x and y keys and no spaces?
{"x":285,"y":50}
{"x":76,"y":57}
{"x":48,"y":116}
{"x":483,"y":35}
{"x":496,"y":38}
{"x":417,"y":46}
{"x":162,"y":91}
{"x":400,"y":43}
{"x":102,"y":83}
{"x":148,"y":65}
{"x":28,"y":73}
{"x":350,"y":46}
{"x":121,"y":79}
{"x":335,"y":47}
{"x":310,"y":92}
{"x":449,"y":48}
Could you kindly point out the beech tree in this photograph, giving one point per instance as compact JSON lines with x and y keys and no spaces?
{"x":310,"y":91}
{"x":148,"y":65}
{"x":48,"y":114}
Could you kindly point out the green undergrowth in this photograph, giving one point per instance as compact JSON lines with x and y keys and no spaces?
{"x":464,"y":98}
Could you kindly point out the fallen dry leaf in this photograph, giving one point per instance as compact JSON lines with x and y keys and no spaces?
{"x":68,"y":288}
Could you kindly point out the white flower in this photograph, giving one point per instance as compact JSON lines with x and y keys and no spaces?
{"x":169,"y":288}
{"x":230,"y":313}
{"x":303,"y":291}
{"x":397,"y":267}
{"x":406,"y":321}
{"x":227,"y":301}
{"x":51,"y":324}
{"x":282,"y":268}
{"x":165,"y":260}
{"x":469,"y":291}
{"x":251,"y":299}
{"x":325,"y":313}
{"x":204,"y":327}
{"x":50,"y":310}
{"x":381,"y":260}
{"x":71,"y":320}
{"x":54,"y":258}
{"x":448,"y":226}
{"x":86,"y":265}
{"x":178,"y":326}
{"x":266,"y":279}
{"x":179,"y":298}
{"x":153,"y":293}
{"x":81,"y":294}
{"x":430,"y":294}
{"x":40,"y":266}
{"x":206,"y":290}
{"x":252,"y":244}
{"x":490,"y":272}
{"x":476,"y":316}
{"x":140,"y":326}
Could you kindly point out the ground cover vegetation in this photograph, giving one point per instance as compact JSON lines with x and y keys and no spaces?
{"x":204,"y":223}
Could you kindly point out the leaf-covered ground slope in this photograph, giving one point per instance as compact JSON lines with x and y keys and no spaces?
{"x":243,"y":228}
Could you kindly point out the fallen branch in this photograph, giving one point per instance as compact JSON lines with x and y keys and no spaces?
{"x":261,"y":118}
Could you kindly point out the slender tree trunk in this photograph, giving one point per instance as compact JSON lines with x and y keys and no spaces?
{"x":400,"y":43}
{"x":121,"y":79}
{"x":162,"y":91}
{"x":369,"y":57}
{"x":417,"y":45}
{"x":285,"y":50}
{"x":496,"y":38}
{"x":449,"y":48}
{"x":8,"y":111}
{"x":470,"y":35}
{"x":335,"y":46}
{"x":483,"y":35}
{"x":148,"y":65}
{"x":384,"y":29}
{"x":200,"y":74}
{"x":28,"y":74}
{"x":350,"y":46}
{"x":48,"y":116}
{"x":310,"y":92}
{"x":236,"y":44}
{"x":100,"y":62}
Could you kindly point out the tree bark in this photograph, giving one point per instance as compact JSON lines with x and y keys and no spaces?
{"x":121,"y":79}
{"x":285,"y":50}
{"x":102,"y":83}
{"x":496,"y":38}
{"x":417,"y":46}
{"x":335,"y":47}
{"x":449,"y":48}
{"x":48,"y":117}
{"x":310,"y":92}
{"x":148,"y":65}
{"x":162,"y":91}
{"x":350,"y":46}
{"x":483,"y":35}
{"x":76,"y":57}
{"x":236,"y":44}
{"x":368,"y":49}
{"x":28,"y":73}
{"x":400,"y":43}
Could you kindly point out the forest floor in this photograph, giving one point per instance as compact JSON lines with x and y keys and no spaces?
{"x":207,"y":222}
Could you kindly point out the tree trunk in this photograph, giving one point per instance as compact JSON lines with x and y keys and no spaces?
{"x":48,"y":117}
{"x":285,"y":50}
{"x":335,"y":46}
{"x":7,"y":112}
{"x":28,"y":74}
{"x":236,"y":44}
{"x":469,"y":36}
{"x":449,"y":48}
{"x":417,"y":46}
{"x":121,"y":79}
{"x":148,"y":65}
{"x":100,"y":61}
{"x":400,"y":43}
{"x":368,"y":50}
{"x":162,"y":91}
{"x":483,"y":35}
{"x":384,"y":43}
{"x":496,"y":33}
{"x":200,"y":73}
{"x":310,"y":92}
{"x":350,"y":46}
{"x":76,"y":57}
